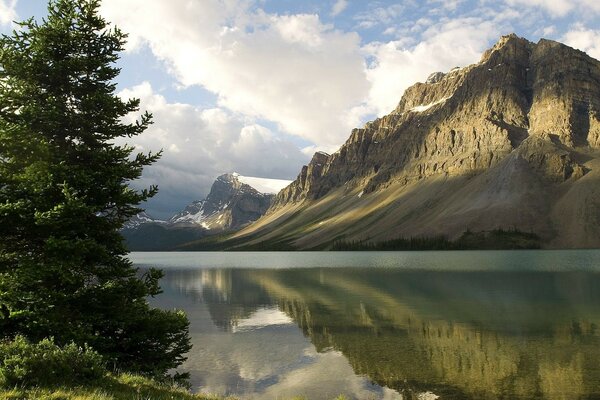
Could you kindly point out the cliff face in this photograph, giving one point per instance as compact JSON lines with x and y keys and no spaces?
{"x":514,"y":134}
{"x":307,"y":184}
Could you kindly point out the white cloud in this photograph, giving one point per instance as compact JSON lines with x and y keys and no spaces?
{"x":312,"y":80}
{"x":560,"y":8}
{"x":290,"y":69}
{"x":584,"y":39}
{"x":448,"y":5}
{"x":380,"y":16}
{"x":265,"y":185}
{"x":394,"y":67}
{"x":200,"y":144}
{"x":339,"y":7}
{"x":8,"y":12}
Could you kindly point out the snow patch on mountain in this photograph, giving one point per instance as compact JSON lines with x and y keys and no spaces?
{"x":194,"y":214}
{"x":264,"y":185}
{"x":140,"y":219}
{"x":428,"y":106}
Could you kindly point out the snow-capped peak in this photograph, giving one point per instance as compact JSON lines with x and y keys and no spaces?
{"x":140,"y":219}
{"x":210,"y":212}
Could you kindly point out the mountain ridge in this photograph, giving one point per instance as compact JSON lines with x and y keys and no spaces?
{"x":510,"y":142}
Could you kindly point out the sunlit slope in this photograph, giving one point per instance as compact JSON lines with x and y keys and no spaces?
{"x":509,"y":195}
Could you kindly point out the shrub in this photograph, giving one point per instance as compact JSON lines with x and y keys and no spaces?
{"x":26,"y":364}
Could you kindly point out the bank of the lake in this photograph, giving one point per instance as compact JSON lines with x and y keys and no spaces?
{"x":119,"y":387}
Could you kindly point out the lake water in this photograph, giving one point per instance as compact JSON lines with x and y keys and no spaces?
{"x":389,"y":325}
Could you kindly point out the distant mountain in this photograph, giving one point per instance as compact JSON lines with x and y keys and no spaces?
{"x":510,"y":143}
{"x":141,"y":219}
{"x":230,"y":205}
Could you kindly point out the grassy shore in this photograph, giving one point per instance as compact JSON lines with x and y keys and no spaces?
{"x":122,"y":387}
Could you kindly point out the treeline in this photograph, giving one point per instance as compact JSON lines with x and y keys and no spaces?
{"x":413,"y":243}
{"x":497,"y":239}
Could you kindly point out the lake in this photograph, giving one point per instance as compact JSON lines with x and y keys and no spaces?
{"x":389,"y":325}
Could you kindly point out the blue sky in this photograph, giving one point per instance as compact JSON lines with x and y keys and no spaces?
{"x":256,"y":86}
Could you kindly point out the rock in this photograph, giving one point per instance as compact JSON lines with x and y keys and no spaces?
{"x":304,"y":185}
{"x":537,"y":104}
{"x":470,"y":119}
{"x":435,"y":77}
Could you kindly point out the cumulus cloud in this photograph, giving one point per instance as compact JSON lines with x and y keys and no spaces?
{"x":293,"y":70}
{"x":448,"y":5}
{"x":584,"y":39}
{"x":8,"y":12}
{"x":200,"y":144}
{"x":312,"y":80}
{"x":304,"y":77}
{"x":560,"y":8}
{"x":395,"y":67}
{"x":380,"y":15}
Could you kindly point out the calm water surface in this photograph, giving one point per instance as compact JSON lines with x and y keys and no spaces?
{"x":389,"y":325}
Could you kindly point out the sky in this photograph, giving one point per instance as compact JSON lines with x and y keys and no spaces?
{"x":257,"y":86}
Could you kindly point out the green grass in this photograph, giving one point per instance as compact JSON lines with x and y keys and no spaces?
{"x":125,"y":387}
{"x":121,"y":387}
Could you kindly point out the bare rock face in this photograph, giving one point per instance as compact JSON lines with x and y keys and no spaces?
{"x":466,"y":121}
{"x":304,"y":185}
{"x":566,"y":101}
{"x":435,"y":77}
{"x":538,"y":103}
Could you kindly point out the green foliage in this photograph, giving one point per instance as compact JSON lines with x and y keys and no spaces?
{"x":416,"y":243}
{"x":111,"y":387}
{"x":497,"y":239}
{"x":64,"y":195}
{"x":24,"y":364}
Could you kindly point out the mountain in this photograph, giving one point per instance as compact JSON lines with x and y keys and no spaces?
{"x":511,"y":143}
{"x":141,"y":219}
{"x":230,"y":205}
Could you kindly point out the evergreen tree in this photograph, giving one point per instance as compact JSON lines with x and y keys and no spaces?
{"x":64,"y":195}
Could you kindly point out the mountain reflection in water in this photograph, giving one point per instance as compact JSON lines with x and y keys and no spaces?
{"x":422,"y":334}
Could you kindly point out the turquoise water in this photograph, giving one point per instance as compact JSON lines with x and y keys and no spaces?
{"x":389,"y":325}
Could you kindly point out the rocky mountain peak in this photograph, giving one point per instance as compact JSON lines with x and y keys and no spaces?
{"x":468,"y":119}
{"x":527,"y":115}
{"x":508,"y":47}
{"x":229,"y":205}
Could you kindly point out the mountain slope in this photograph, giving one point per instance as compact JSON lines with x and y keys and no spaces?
{"x":512,"y":142}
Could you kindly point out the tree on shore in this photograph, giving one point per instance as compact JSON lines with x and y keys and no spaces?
{"x":64,"y":195}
